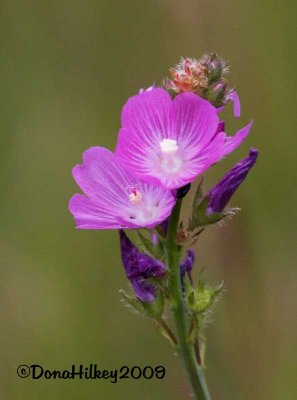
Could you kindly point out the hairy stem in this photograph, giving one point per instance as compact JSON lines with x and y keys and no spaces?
{"x":185,"y":348}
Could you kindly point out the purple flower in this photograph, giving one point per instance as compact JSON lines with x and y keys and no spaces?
{"x":169,"y":142}
{"x":221,"y":193}
{"x":139,"y":267}
{"x":113,"y":198}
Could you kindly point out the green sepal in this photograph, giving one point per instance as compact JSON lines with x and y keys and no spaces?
{"x":215,"y":96}
{"x":187,"y":284}
{"x":151,"y":310}
{"x":157,"y":251}
{"x":165,"y":331}
{"x":155,"y":309}
{"x":215,"y":75}
{"x":197,"y":199}
{"x":160,"y":231}
{"x":202,"y":299}
{"x":131,"y":301}
{"x":202,"y":348}
{"x":230,"y":212}
{"x":193,"y":330}
{"x":202,"y":218}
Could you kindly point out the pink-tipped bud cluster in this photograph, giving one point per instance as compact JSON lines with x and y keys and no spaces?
{"x":204,"y":77}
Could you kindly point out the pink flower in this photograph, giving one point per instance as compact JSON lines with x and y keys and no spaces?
{"x":170,"y":142}
{"x":114,"y":198}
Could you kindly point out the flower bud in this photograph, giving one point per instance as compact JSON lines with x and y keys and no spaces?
{"x":189,"y":75}
{"x":186,"y":265}
{"x":205,"y":77}
{"x":203,"y":298}
{"x":222,"y":192}
{"x":215,"y":66}
{"x":140,"y":269}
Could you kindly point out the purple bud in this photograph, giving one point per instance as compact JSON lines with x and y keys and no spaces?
{"x":186,"y":265}
{"x":222,"y":192}
{"x":220,"y":87}
{"x":154,"y":239}
{"x":139,"y":267}
{"x":144,"y":291}
{"x":215,"y":65}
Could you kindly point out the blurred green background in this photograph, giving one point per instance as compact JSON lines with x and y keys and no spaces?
{"x":67,"y":68}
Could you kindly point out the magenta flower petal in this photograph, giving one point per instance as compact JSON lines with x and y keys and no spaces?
{"x":220,"y":109}
{"x":221,"y":126}
{"x":233,"y":96}
{"x":113,"y":197}
{"x":142,"y":90}
{"x":232,"y":142}
{"x":147,"y":114}
{"x":169,"y":142}
{"x":89,"y":215}
{"x":195,"y":119}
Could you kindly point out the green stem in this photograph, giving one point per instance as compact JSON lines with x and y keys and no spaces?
{"x":185,"y":348}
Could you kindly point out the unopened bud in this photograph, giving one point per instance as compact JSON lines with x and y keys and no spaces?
{"x":204,"y":77}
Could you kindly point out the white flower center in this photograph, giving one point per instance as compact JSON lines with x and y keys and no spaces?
{"x":135,"y":196}
{"x":169,"y":158}
{"x":168,"y":146}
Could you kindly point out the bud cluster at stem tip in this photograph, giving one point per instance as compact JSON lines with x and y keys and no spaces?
{"x":204,"y":77}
